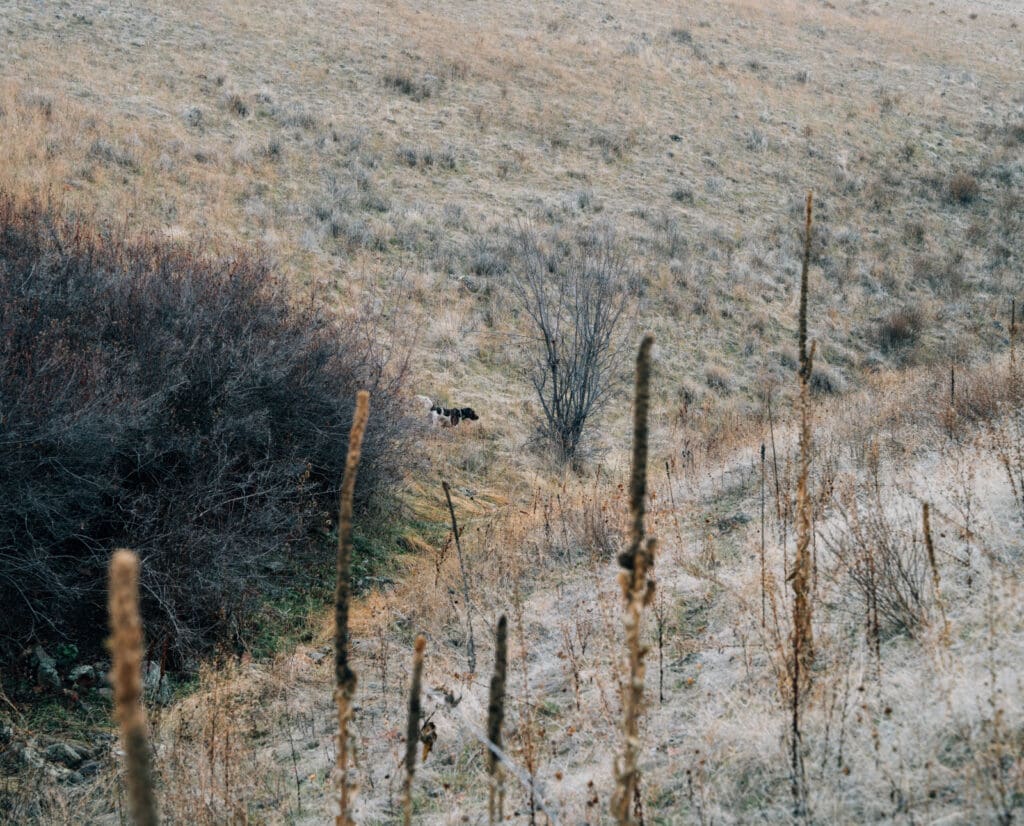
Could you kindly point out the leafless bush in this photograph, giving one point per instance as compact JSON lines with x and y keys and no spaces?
{"x":900,"y":329}
{"x":718,"y":378}
{"x":576,"y":292}
{"x":881,"y":555}
{"x":963,"y":188}
{"x":151,"y":397}
{"x":418,"y":88}
{"x":1006,"y":436}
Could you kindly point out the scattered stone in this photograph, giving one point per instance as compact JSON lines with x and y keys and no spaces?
{"x":28,"y":757}
{"x":316,"y":656}
{"x":156,"y":685}
{"x":90,"y":768}
{"x":151,"y":675}
{"x":46,"y":669}
{"x":63,"y":754}
{"x":731,"y":522}
{"x":83,"y":675}
{"x":85,"y":750}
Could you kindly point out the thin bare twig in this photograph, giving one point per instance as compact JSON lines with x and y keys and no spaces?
{"x":470,"y":644}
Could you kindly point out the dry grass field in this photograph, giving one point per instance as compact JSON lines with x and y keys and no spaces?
{"x":381,"y":155}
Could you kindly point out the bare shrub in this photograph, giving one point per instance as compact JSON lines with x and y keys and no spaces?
{"x":878,"y":551}
{"x":183,"y":406}
{"x":825,"y":381}
{"x":900,"y":329}
{"x":945,"y":276}
{"x":417,"y":88}
{"x":963,"y":188}
{"x":1006,"y":436}
{"x":718,"y":378}
{"x":236,"y":104}
{"x":576,"y":292}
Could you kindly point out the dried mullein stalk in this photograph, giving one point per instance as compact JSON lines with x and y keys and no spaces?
{"x":803,"y":633}
{"x":413,"y":727}
{"x":805,"y":368}
{"x":344,"y":677}
{"x":470,"y":643}
{"x":929,"y":544}
{"x":638,"y":592}
{"x":126,"y":676}
{"x":495,"y":716}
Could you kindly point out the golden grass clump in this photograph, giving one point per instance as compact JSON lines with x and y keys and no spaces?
{"x":344,"y":677}
{"x":638,"y":591}
{"x":413,"y":727}
{"x":126,"y":676}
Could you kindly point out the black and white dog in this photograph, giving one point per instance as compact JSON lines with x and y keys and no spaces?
{"x":447,"y":416}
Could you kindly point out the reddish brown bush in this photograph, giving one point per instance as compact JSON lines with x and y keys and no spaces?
{"x":153,"y":398}
{"x":900,"y":329}
{"x":963,"y":188}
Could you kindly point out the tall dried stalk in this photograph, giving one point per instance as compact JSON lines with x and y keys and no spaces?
{"x":495,"y":717}
{"x":470,"y":644}
{"x":764,"y":598}
{"x":637,"y":591}
{"x":929,"y":545}
{"x":344,"y":676}
{"x":126,"y":675}
{"x":412,"y":728}
{"x":775,"y":474}
{"x":803,"y":635}
{"x":805,"y":370}
{"x":1013,"y":343}
{"x":1013,"y":328}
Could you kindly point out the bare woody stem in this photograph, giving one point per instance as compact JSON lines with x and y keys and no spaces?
{"x":495,"y":716}
{"x":126,"y":648}
{"x":933,"y":564}
{"x":412,"y":728}
{"x":344,"y":677}
{"x":803,"y":634}
{"x":805,"y":370}
{"x":764,"y":599}
{"x":470,"y":644}
{"x":638,"y":592}
{"x":802,"y":608}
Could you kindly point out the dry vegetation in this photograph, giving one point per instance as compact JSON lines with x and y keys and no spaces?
{"x":385,"y":156}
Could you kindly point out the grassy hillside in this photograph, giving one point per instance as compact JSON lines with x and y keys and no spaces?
{"x":381,"y":155}
{"x":388,"y":148}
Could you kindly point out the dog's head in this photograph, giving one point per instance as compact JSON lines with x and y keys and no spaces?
{"x":468,"y":413}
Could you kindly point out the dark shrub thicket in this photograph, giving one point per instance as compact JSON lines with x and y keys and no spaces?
{"x":153,"y":398}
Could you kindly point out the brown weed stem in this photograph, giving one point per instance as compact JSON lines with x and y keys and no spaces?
{"x":126,"y":676}
{"x":344,"y":677}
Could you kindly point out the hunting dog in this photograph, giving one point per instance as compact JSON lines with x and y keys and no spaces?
{"x":446,"y":416}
